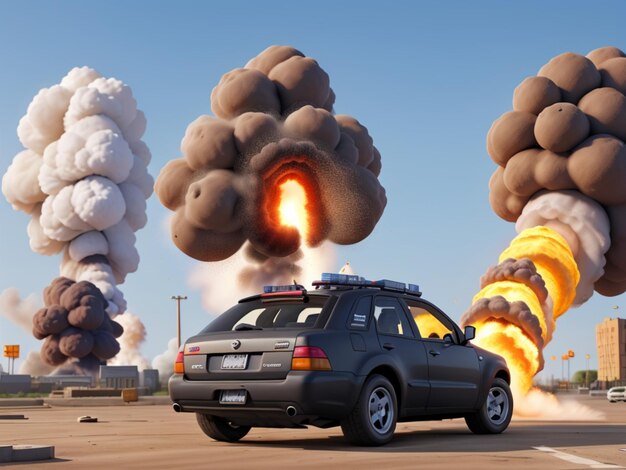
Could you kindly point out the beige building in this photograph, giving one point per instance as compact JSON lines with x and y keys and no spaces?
{"x":611,"y":344}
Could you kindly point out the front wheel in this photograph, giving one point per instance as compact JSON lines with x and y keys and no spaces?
{"x":220,"y":429}
{"x":372,"y":421}
{"x":495,"y":414}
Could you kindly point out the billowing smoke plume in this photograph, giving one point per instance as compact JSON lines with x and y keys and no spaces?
{"x":19,"y":311}
{"x":83,"y":179}
{"x":274,"y":125}
{"x":130,"y":343}
{"x":561,"y":177}
{"x":164,"y":362}
{"x":247,"y":276}
{"x":34,"y":365}
{"x":567,"y":132}
{"x":74,"y":323}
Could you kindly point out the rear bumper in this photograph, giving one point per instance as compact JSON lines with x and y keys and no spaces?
{"x":320,"y":398}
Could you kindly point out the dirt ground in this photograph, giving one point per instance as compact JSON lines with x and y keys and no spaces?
{"x":153,"y":436}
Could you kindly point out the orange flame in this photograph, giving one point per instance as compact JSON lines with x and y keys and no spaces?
{"x":555,"y":263}
{"x":292,"y":206}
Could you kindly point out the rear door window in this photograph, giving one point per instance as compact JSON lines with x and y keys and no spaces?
{"x":360,"y":317}
{"x":390,"y":317}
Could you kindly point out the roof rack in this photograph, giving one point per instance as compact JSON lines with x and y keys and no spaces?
{"x":351,"y":280}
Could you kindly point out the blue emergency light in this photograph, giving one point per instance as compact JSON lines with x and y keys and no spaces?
{"x":287,"y":288}
{"x":334,"y":280}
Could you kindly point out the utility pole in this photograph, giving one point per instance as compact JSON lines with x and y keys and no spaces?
{"x":178,"y":298}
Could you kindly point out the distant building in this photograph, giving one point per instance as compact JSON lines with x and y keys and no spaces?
{"x":150,"y":380}
{"x":62,"y":381}
{"x":119,"y":377}
{"x":611,"y":344}
{"x":16,"y":383}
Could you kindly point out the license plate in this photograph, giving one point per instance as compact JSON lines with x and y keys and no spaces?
{"x":235,"y":361}
{"x":233,"y":397}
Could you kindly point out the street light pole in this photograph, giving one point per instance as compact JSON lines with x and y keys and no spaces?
{"x":178,"y":298}
{"x":587,"y":356}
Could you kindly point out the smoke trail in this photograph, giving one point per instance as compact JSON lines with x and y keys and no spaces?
{"x":567,"y":132}
{"x":562,"y":167}
{"x":83,"y":179}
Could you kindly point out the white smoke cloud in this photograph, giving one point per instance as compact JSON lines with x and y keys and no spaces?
{"x":582,"y":222}
{"x":541,"y":406}
{"x":33,"y":365}
{"x":17,"y":310}
{"x":164,"y":362}
{"x":130,"y":342}
{"x":223,"y":283}
{"x":83,"y":178}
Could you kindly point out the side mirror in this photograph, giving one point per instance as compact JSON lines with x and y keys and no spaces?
{"x":469,"y":332}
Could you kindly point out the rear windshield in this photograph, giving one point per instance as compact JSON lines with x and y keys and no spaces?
{"x":259,"y":315}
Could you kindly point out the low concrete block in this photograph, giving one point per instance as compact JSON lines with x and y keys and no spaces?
{"x":5,"y":453}
{"x":28,"y":453}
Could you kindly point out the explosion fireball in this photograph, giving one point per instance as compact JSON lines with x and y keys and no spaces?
{"x":562,"y":179}
{"x":274,"y":170}
{"x":83,"y":179}
{"x":292,"y":206}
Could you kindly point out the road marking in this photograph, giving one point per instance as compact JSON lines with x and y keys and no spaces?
{"x":575,"y":459}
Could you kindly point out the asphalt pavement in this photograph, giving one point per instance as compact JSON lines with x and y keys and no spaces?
{"x":139,"y":436}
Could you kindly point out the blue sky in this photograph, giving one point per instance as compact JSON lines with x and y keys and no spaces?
{"x":426,"y":78}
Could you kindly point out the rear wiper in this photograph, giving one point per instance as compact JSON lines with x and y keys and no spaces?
{"x":247,"y":326}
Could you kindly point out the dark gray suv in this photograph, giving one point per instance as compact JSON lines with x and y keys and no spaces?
{"x":355,"y":353}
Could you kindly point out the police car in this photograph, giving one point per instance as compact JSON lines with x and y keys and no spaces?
{"x":350,"y":352}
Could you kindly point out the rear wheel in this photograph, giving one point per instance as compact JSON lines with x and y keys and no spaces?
{"x":495,"y":414}
{"x":372,"y":421}
{"x":220,"y":429}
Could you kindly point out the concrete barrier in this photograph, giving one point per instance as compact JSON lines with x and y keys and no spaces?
{"x":25,"y":453}
{"x":20,"y":402}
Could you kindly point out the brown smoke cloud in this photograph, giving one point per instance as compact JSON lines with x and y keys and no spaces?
{"x":75,"y":325}
{"x":516,"y":313}
{"x":567,"y":132}
{"x":274,"y":122}
{"x":522,"y":271}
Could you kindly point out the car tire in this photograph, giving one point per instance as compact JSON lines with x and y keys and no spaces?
{"x":495,"y":414}
{"x":220,"y":429}
{"x":372,"y":421}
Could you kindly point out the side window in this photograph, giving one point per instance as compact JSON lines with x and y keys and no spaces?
{"x":430,"y":325}
{"x":360,"y":317}
{"x":390,"y":317}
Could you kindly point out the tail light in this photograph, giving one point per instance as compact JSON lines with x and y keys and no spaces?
{"x":179,"y":365}
{"x":309,"y":358}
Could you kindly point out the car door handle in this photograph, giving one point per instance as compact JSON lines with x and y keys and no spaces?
{"x":434,"y":353}
{"x":388,"y":346}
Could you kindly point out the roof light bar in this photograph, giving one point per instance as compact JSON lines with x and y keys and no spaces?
{"x":287,"y":288}
{"x":333,"y":279}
